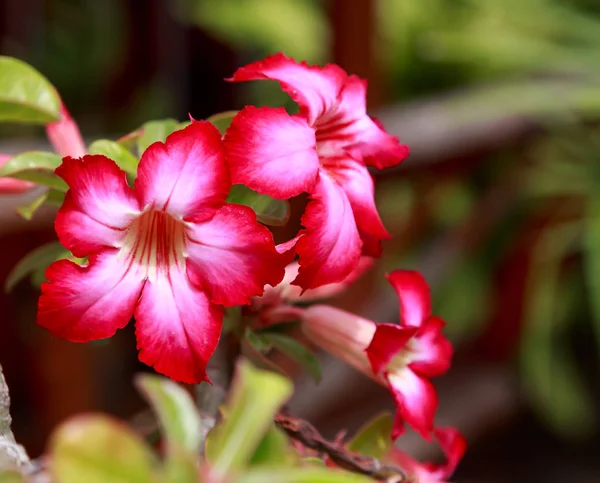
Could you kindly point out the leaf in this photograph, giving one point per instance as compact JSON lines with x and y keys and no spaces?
{"x":274,"y":449}
{"x":268,"y":210}
{"x":296,"y":351}
{"x":99,"y":449}
{"x":35,"y":166}
{"x":253,"y":401}
{"x":129,"y":141}
{"x":25,"y":94}
{"x":222,"y":120}
{"x":50,"y":197}
{"x":301,"y":475}
{"x":39,"y":258}
{"x":154,"y":131}
{"x":591,"y":243}
{"x":117,"y":152}
{"x":180,"y":423}
{"x":375,"y":437}
{"x":11,"y":476}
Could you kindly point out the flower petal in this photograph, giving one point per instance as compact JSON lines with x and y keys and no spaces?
{"x":414,"y":297}
{"x":358,"y":185}
{"x":64,"y":135}
{"x":90,"y":302}
{"x":186,"y":175}
{"x":388,"y":341}
{"x":231,"y":257}
{"x":98,"y":206}
{"x":315,"y":89}
{"x":330,"y":245}
{"x":454,"y":446}
{"x":177,"y":328}
{"x":416,"y":402}
{"x":366,"y":135}
{"x":431,"y":351}
{"x":271,"y":152}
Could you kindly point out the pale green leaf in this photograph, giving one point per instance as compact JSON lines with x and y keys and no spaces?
{"x":37,"y":259}
{"x":301,"y":475}
{"x":274,"y":450}
{"x":294,"y":350}
{"x":25,"y":94}
{"x":268,"y":210}
{"x":222,"y":120}
{"x":375,"y":437}
{"x":35,"y":166}
{"x":11,"y":476}
{"x":98,"y":449}
{"x":154,"y":131}
{"x":117,"y":152}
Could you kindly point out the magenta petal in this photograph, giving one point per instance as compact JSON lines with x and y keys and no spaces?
{"x":64,"y":135}
{"x":271,"y":152}
{"x":89,"y":303}
{"x":431,"y":351}
{"x":186,"y":175}
{"x":454,"y":446}
{"x":314,"y":88}
{"x":98,"y":207}
{"x":416,"y":401}
{"x":414,"y":297}
{"x":231,"y":257}
{"x":11,"y":185}
{"x":177,"y":328}
{"x":388,"y":341}
{"x":330,"y":245}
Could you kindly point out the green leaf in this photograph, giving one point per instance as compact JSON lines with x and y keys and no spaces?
{"x":296,"y":351}
{"x":375,"y":437}
{"x":11,"y":476}
{"x":222,"y":120}
{"x":50,"y":197}
{"x":129,"y":141}
{"x":154,"y":131}
{"x":117,"y":152}
{"x":25,"y":94}
{"x":253,"y":401}
{"x":274,"y":449}
{"x":39,"y":258}
{"x":180,"y":423}
{"x":301,"y":475}
{"x":268,"y":210}
{"x":591,"y":242}
{"x":35,"y":166}
{"x":99,"y":449}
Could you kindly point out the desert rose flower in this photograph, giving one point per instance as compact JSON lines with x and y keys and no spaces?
{"x":453,"y":445}
{"x":323,"y":151}
{"x":169,"y":251}
{"x":402,"y":357}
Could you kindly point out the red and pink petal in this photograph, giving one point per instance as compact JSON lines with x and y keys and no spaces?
{"x":431,"y":350}
{"x":186,"y":175}
{"x":330,"y":245}
{"x":177,"y":327}
{"x":454,"y":446}
{"x":83,"y":303}
{"x":413,"y":294}
{"x":64,"y":135}
{"x":231,"y":257}
{"x":271,"y":152}
{"x":388,"y":342}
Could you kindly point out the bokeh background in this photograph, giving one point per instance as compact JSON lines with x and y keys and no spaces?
{"x":498,"y":204}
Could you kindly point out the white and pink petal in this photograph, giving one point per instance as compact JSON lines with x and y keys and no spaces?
{"x":431,"y":350}
{"x":271,"y":152}
{"x":389,"y":343}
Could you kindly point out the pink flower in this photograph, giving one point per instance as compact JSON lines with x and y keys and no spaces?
{"x":324,"y":151}
{"x":402,"y":357}
{"x":66,"y":140}
{"x":170,"y":252}
{"x":454,"y":446}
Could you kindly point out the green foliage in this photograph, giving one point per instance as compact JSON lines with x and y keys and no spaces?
{"x":268,"y":210}
{"x":37,"y":167}
{"x":25,"y":95}
{"x":98,"y":449}
{"x":51,"y":197}
{"x":117,"y":152}
{"x":35,"y":260}
{"x":11,"y":476}
{"x":374,"y":437}
{"x":222,"y":120}
{"x":153,"y":131}
{"x":301,"y":475}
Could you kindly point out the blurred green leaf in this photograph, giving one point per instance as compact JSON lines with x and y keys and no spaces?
{"x":26,"y":95}
{"x":268,"y":210}
{"x":222,"y":120}
{"x":11,"y":476}
{"x":549,"y":375}
{"x":117,"y":152}
{"x":591,"y":242}
{"x":35,"y":166}
{"x":50,"y":197}
{"x":39,"y":258}
{"x":129,"y":140}
{"x":375,"y":437}
{"x":253,"y":401}
{"x":99,"y":449}
{"x":290,"y":347}
{"x":180,"y":422}
{"x":274,"y":450}
{"x":301,"y":475}
{"x":154,"y":131}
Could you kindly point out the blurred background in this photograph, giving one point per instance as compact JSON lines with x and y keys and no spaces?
{"x":498,"y":204}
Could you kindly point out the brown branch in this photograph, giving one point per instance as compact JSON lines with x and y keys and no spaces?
{"x":305,"y":433}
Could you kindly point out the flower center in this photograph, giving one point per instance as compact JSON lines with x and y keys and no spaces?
{"x":154,"y":242}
